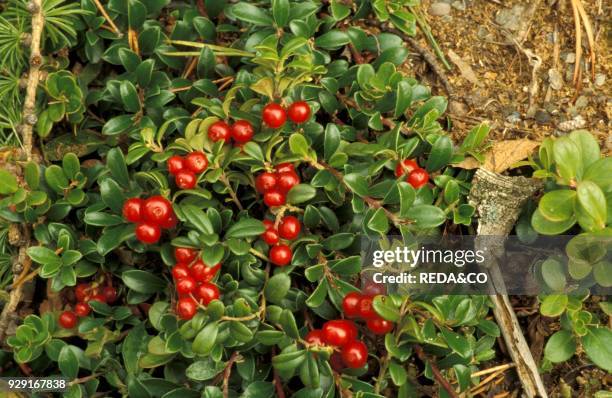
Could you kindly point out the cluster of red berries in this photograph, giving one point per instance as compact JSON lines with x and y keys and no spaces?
{"x":241,"y":132}
{"x":360,"y":306}
{"x":150,"y":216}
{"x":84,"y":293}
{"x":274,"y":185}
{"x":415,"y":175}
{"x":342,"y":334}
{"x":289,"y":228}
{"x":275,"y":116}
{"x":193,"y":282}
{"x":185,"y":169}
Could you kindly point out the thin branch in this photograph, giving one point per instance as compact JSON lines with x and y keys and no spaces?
{"x":228,"y":372}
{"x":436,"y":372}
{"x":232,"y":193}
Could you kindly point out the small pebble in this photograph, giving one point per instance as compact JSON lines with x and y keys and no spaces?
{"x":459,"y":5}
{"x":542,"y":117}
{"x":581,"y":102}
{"x":576,"y":123}
{"x":514,"y":117}
{"x":555,"y":79}
{"x":600,"y":79}
{"x":570,"y":58}
{"x":439,"y":9}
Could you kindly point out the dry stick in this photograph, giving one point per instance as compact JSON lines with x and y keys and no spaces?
{"x":29,"y":105}
{"x":228,"y":372}
{"x":578,"y":28}
{"x":107,"y":17}
{"x":499,"y":201}
{"x":589,"y":32}
{"x":436,"y":372}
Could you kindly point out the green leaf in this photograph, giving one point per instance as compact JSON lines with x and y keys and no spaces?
{"x":457,"y":343}
{"x":546,"y":227}
{"x":592,"y":208}
{"x":129,"y":96}
{"x":318,"y":296}
{"x":245,"y":228}
{"x":558,"y":205}
{"x":117,"y":125}
{"x":332,"y":40}
{"x":597,"y":344}
{"x":398,"y":373}
{"x":385,"y":308}
{"x":112,"y":195}
{"x":298,"y":145}
{"x":68,"y":362}
{"x":277,"y":287}
{"x":599,"y":173}
{"x":43,"y":255}
{"x":115,"y":161}
{"x":602,"y":272}
{"x":560,"y":347}
{"x":588,"y":145}
{"x":403,"y":98}
{"x":204,"y":370}
{"x":280,"y":12}
{"x":357,"y":183}
{"x":568,"y":159}
{"x":553,"y":273}
{"x":332,"y":140}
{"x":143,"y":281}
{"x":205,"y":339}
{"x":198,"y":218}
{"x":441,"y":154}
{"x":301,"y":193}
{"x":554,"y":305}
{"x":289,"y":361}
{"x":249,"y":13}
{"x":56,"y":179}
{"x":379,"y":222}
{"x":426,"y":216}
{"x":31,"y":174}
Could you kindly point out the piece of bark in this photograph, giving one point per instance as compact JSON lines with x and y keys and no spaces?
{"x":499,"y":200}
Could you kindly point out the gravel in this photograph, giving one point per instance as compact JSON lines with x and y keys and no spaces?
{"x":439,"y":9}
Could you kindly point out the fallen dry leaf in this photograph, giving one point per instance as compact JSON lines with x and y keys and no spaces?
{"x":466,"y":70}
{"x":502,"y":155}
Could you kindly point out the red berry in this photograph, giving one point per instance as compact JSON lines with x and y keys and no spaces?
{"x":98,"y":297}
{"x":372,"y":288}
{"x":274,"y":197}
{"x":208,"y":292}
{"x":170,"y":222}
{"x":366,"y":308}
{"x":132,"y":209}
{"x":81,"y":290}
{"x":219,"y":131}
{"x":287,"y":180}
{"x":148,"y":232}
{"x":186,"y":308}
{"x":156,"y":209}
{"x":67,"y":319}
{"x":270,"y":236}
{"x":280,"y":255}
{"x":175,"y":164}
{"x":268,"y":223}
{"x":184,"y":254}
{"x":82,"y":309}
{"x":379,"y":325}
{"x":180,"y":271}
{"x":110,"y":294}
{"x":265,"y":181}
{"x":354,"y":354}
{"x":339,"y":332}
{"x":186,"y":285}
{"x":283,"y":167}
{"x":418,"y":178}
{"x":185,"y":179}
{"x":350,"y":304}
{"x":203,"y":273}
{"x":406,"y":167}
{"x":336,"y":362}
{"x":315,"y":337}
{"x":289,"y":228}
{"x":299,"y":112}
{"x":242,"y":131}
{"x":196,"y":162}
{"x":274,"y":115}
